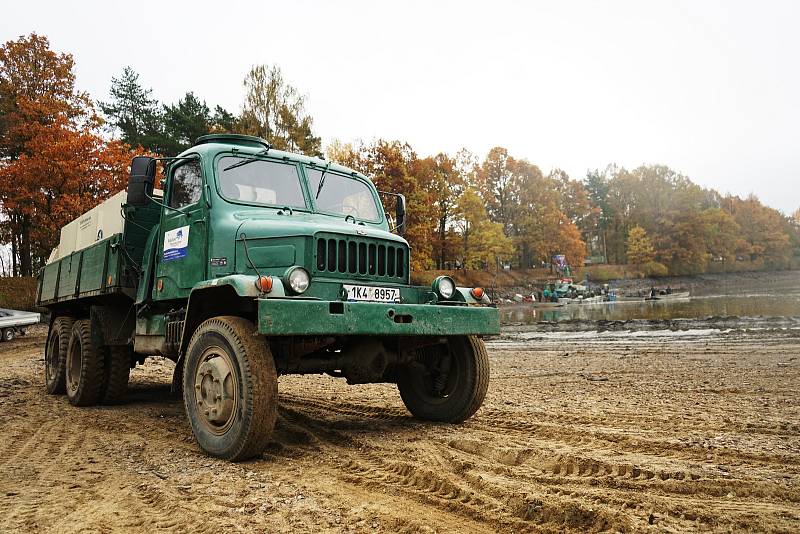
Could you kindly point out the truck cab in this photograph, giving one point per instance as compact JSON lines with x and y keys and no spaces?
{"x":255,"y":263}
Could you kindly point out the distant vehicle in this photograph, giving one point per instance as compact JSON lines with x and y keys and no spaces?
{"x":254,"y":263}
{"x":13,"y":322}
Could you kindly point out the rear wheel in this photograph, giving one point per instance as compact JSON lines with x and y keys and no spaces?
{"x":8,"y":334}
{"x":55,"y":355}
{"x":84,"y":369}
{"x":230,"y":388}
{"x":447,"y":382}
{"x":116,"y":372}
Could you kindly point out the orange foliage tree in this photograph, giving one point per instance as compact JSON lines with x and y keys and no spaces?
{"x":53,"y":163}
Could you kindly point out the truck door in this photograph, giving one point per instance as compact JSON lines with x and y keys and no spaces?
{"x":184,"y":233}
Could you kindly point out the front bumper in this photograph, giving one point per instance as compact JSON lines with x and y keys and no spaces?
{"x":295,"y":317}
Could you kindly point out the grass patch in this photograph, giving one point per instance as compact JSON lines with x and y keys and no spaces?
{"x":17,"y":293}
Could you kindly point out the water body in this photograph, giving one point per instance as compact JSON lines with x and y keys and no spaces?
{"x":750,"y":305}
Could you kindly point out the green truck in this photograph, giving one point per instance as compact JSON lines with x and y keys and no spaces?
{"x":251,"y":264}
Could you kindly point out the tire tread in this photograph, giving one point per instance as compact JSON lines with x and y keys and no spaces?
{"x":62,"y":326}
{"x":476,"y":387}
{"x":91,"y":378}
{"x":116,"y":373}
{"x":258,"y":376}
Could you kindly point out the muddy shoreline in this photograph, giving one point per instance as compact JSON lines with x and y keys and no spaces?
{"x":784,"y":326}
{"x":756,"y":283}
{"x":579,"y":432}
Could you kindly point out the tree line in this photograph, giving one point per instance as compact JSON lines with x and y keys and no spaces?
{"x":61,"y":154}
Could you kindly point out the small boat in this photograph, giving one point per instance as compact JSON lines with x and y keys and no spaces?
{"x":670,"y":296}
{"x":582,"y":300}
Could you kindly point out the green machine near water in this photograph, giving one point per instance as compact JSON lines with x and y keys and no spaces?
{"x":252,"y":264}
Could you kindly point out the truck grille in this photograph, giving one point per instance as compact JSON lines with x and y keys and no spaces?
{"x":362,"y":257}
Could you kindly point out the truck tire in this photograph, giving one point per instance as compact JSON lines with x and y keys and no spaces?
{"x":84,"y":369}
{"x":116,"y":372}
{"x":435,"y":389}
{"x":55,"y":355}
{"x":8,"y":334}
{"x":230,"y":388}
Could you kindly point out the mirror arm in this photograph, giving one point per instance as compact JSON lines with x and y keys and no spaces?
{"x":161,"y":203}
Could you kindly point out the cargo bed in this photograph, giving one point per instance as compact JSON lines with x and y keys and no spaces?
{"x":99,"y":269}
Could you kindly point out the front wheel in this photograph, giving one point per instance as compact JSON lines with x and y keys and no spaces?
{"x":230,"y":388}
{"x":446,"y":382}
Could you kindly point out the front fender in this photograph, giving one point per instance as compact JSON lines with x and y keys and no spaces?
{"x":244,"y":286}
{"x":227,"y":295}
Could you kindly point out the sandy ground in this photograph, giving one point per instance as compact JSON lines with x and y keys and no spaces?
{"x":681,"y":432}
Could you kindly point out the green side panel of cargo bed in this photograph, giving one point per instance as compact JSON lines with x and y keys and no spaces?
{"x":93,"y":267}
{"x":68,"y":278}
{"x":49,"y":280}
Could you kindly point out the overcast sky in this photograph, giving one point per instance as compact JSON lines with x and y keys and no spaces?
{"x":711,"y":89}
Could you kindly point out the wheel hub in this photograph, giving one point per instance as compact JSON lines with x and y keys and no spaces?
{"x":215,"y":390}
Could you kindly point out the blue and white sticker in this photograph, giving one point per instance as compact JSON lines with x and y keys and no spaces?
{"x":176,"y":243}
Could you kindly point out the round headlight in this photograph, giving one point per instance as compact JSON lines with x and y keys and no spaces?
{"x":297,"y":280}
{"x":444,"y":287}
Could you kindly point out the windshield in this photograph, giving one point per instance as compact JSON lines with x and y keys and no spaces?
{"x":260,"y":182}
{"x":341,"y":195}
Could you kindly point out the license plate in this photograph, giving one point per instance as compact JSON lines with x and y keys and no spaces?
{"x":372,"y":294}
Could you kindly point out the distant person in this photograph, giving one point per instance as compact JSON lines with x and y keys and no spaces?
{"x":653,"y":292}
{"x":546,"y":293}
{"x":669,"y":290}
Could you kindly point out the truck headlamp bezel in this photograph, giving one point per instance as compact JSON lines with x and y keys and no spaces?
{"x":444,"y":287}
{"x":296,"y":280}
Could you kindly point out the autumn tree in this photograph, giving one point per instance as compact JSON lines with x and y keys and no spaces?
{"x":639,"y":249}
{"x":445,"y":184}
{"x":762,"y":230}
{"x":497,"y":186}
{"x":37,"y":90}
{"x":721,"y":234}
{"x":73,"y":170}
{"x":347,"y":154}
{"x":483,"y":241}
{"x":54,"y":164}
{"x":574,"y":203}
{"x":394,"y":167}
{"x":490,"y":246}
{"x":274,"y":110}
{"x":37,"y":87}
{"x":596,"y":184}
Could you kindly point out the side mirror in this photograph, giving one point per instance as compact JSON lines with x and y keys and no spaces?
{"x":400,"y":214}
{"x":141,"y":180}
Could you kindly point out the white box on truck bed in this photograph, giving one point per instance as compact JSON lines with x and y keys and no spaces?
{"x":102,"y":221}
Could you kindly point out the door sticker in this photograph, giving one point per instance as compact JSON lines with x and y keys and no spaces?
{"x":176,"y":243}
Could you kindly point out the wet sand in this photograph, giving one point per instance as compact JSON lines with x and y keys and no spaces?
{"x":685,"y":430}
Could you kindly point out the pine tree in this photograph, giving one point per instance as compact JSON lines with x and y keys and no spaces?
{"x":184,"y":122}
{"x":133,"y":113}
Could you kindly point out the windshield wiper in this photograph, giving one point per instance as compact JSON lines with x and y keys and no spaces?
{"x":322,"y":180}
{"x":249,"y":159}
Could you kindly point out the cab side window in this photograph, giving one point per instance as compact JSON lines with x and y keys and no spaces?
{"x":187,"y":185}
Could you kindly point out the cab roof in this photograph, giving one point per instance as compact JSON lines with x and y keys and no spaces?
{"x":249,"y":144}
